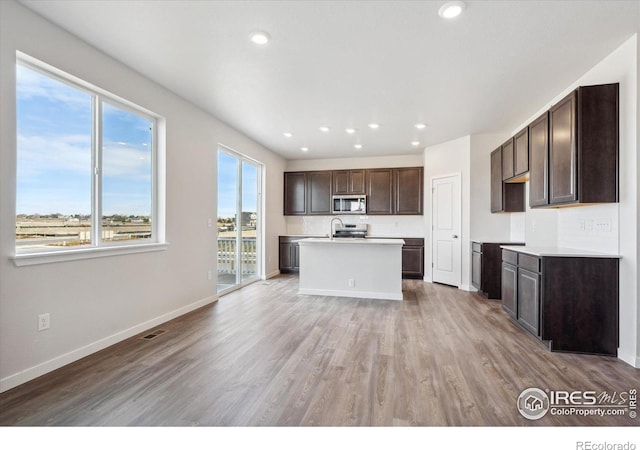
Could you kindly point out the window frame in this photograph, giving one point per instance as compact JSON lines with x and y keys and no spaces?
{"x":97,"y":247}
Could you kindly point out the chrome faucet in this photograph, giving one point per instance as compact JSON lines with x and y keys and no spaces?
{"x":331,"y":226}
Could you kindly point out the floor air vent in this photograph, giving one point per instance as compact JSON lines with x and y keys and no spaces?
{"x":153,"y":335}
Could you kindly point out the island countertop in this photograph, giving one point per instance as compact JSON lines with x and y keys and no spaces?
{"x":358,"y":241}
{"x":559,"y":252}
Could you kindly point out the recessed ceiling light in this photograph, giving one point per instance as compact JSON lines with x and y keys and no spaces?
{"x":350,"y":130}
{"x":374,"y":126}
{"x":287,"y":134}
{"x":357,"y":146}
{"x":304,"y":149}
{"x":451,"y":9}
{"x":260,"y":37}
{"x":420,"y":126}
{"x":415,"y":143}
{"x":325,"y":129}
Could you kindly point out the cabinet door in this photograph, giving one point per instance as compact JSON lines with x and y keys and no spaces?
{"x":509,"y":289}
{"x":357,"y":183}
{"x":521,"y":152}
{"x":408,"y":189}
{"x":507,"y":160}
{"x":295,"y":197}
{"x":529,"y":300}
{"x":379,"y":191}
{"x":539,"y":161}
{"x":285,"y":262}
{"x":341,"y":182}
{"x":496,"y":180}
{"x":412,"y":262}
{"x":563,"y":151}
{"x":319,"y":192}
{"x":295,"y":256}
{"x":476,"y":270}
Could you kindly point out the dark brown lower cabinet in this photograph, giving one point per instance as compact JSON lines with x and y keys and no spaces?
{"x":289,"y":255}
{"x":509,"y":288}
{"x":486,"y":270}
{"x":413,"y":258}
{"x":568,"y":302}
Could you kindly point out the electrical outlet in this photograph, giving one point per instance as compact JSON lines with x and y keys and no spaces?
{"x":209,"y":275}
{"x":210,"y":222}
{"x":352,"y":282}
{"x":43,"y":322}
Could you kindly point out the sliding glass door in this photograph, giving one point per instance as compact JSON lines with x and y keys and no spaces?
{"x":239,"y":220}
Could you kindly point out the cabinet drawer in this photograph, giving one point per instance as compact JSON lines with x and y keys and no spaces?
{"x":413,"y":242}
{"x":510,"y":257}
{"x":476,"y":247}
{"x":529,"y":262}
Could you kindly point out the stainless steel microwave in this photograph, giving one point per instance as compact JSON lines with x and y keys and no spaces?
{"x":349,"y":204}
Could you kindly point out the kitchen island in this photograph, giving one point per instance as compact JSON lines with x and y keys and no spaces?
{"x":351,"y":267}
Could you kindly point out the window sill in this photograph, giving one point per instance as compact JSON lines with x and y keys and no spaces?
{"x":31,"y":259}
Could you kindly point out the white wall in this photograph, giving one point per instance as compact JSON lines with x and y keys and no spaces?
{"x":94,"y":303}
{"x":443,"y":159}
{"x":608,"y":227}
{"x":485,"y":226}
{"x":387,"y":226}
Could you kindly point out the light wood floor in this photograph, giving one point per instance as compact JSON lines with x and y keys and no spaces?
{"x":265,"y":355}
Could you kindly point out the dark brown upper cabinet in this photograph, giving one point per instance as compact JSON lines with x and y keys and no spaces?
{"x":349,"y":181}
{"x":539,"y":161}
{"x":505,"y":197}
{"x":380,"y":191}
{"x":507,"y":159}
{"x":583,"y":146}
{"x":521,"y":153}
{"x":295,"y":193}
{"x":319,"y":192}
{"x":408,"y":186}
{"x":307,"y":193}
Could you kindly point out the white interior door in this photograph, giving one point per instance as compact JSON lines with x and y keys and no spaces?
{"x":446,"y":243}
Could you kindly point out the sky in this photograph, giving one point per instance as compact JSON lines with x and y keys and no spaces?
{"x":55,"y":152}
{"x":54,"y":127}
{"x":227,"y":185}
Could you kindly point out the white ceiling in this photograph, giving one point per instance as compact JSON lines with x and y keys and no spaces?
{"x":348,"y":63}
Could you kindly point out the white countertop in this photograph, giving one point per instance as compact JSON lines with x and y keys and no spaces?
{"x":558,"y":252}
{"x":358,"y":241}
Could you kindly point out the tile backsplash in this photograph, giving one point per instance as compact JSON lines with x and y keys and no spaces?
{"x":387,"y":226}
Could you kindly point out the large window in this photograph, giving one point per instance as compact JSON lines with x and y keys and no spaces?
{"x":86,"y":173}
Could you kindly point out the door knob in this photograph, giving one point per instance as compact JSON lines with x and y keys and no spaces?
{"x":455,"y":236}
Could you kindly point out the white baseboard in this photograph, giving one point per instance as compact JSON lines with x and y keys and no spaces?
{"x":468,"y":288}
{"x":275,"y":273}
{"x":428,"y":279}
{"x":629,"y":358}
{"x":356,"y":294}
{"x":23,"y":376}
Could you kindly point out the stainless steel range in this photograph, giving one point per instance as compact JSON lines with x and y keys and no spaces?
{"x":350,"y":230}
